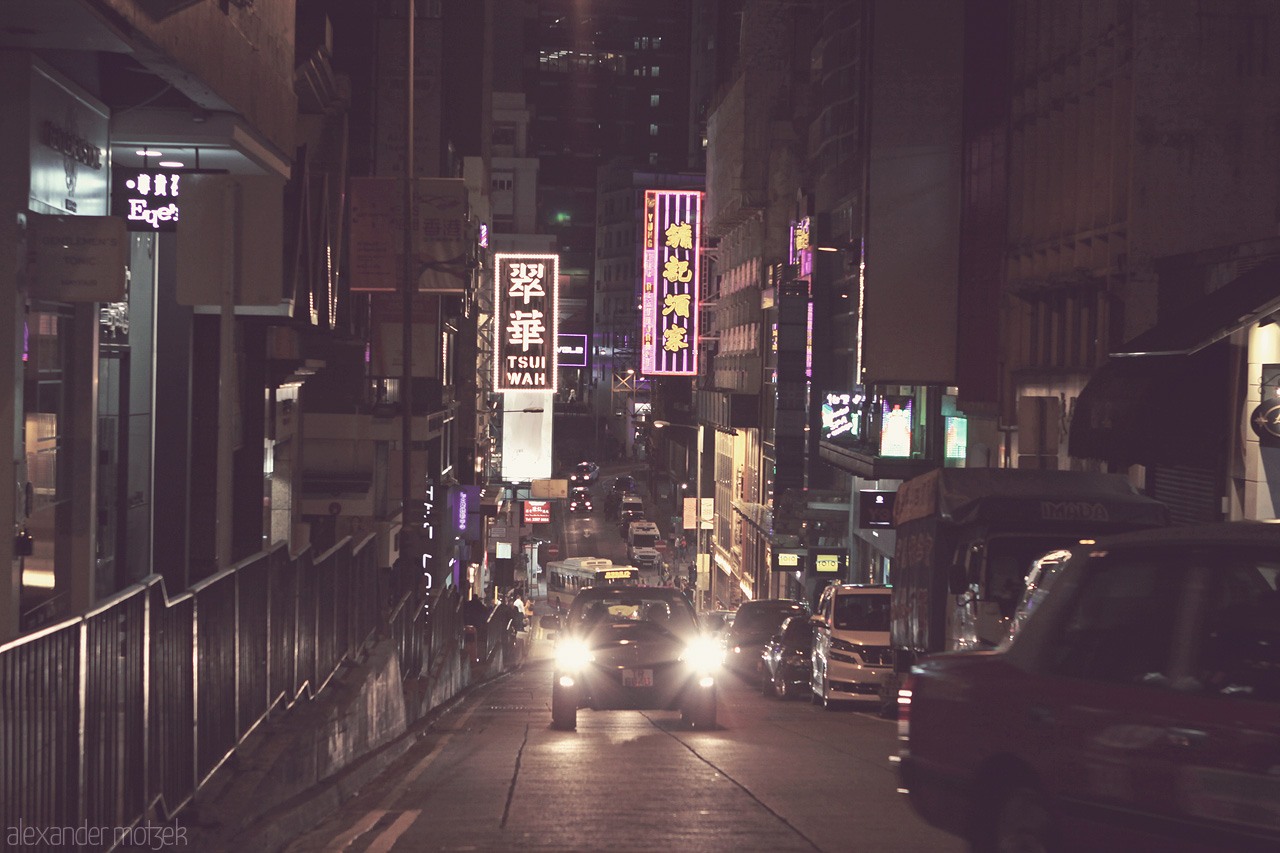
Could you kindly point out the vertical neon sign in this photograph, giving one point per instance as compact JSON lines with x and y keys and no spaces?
{"x":526,"y":296}
{"x":672,"y":269}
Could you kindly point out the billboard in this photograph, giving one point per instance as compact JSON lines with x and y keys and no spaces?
{"x":672,"y":268}
{"x":526,"y":299}
{"x":537,"y":512}
{"x":440,"y":236}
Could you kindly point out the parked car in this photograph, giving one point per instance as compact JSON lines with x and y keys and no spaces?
{"x":584,"y":472}
{"x":787,"y":659}
{"x":851,"y":651}
{"x":715,"y":622}
{"x":580,"y":499}
{"x":1138,"y":708}
{"x":753,"y":624}
{"x":634,"y":648}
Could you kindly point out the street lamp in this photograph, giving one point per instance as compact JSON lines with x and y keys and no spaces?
{"x":697,"y":515}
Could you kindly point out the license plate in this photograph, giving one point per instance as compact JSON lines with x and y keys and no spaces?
{"x":637,"y":678}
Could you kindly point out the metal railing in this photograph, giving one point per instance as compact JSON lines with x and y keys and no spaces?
{"x":122,"y":713}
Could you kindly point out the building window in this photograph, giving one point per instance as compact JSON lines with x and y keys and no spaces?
{"x":653,"y":130}
{"x":653,"y":71}
{"x":653,"y":158}
{"x":653,"y":100}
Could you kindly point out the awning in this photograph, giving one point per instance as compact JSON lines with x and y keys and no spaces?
{"x":1245,"y":300}
{"x":1156,"y":409}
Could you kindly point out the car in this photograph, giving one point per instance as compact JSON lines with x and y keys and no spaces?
{"x":632,"y":647}
{"x":1138,"y":707}
{"x":786,"y":659}
{"x":623,"y":484}
{"x":754,"y":623}
{"x":584,"y":472}
{"x":851,"y":651}
{"x":630,"y":508}
{"x":580,"y":499}
{"x":715,"y":622}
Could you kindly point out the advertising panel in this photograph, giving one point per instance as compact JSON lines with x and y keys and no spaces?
{"x":440,"y":244}
{"x":842,"y":416}
{"x":895,"y":426}
{"x":526,"y":303}
{"x":669,"y":299}
{"x":537,"y":512}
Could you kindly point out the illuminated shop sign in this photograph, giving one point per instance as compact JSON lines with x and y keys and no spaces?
{"x":801,"y":250}
{"x":895,"y":426}
{"x":526,"y":300}
{"x":875,"y":509}
{"x":147,"y":199}
{"x":842,"y":415}
{"x":537,"y":512}
{"x":572,"y":350}
{"x":669,"y":304}
{"x":956,"y":446}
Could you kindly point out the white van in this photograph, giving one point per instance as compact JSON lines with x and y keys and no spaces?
{"x":851,"y":651}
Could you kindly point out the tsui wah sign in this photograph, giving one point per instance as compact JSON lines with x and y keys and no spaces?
{"x":526,"y":300}
{"x":669,"y":303}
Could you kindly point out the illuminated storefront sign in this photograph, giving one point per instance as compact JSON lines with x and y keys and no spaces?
{"x":537,"y":512}
{"x":526,"y":300}
{"x":801,"y":250}
{"x":147,"y":200}
{"x":875,"y":509}
{"x":572,"y":350}
{"x":669,"y":304}
{"x":841,"y":415}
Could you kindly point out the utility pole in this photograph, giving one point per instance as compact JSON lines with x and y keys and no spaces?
{"x":410,"y":512}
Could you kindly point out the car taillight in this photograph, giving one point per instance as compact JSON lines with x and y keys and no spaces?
{"x":905,"y":690}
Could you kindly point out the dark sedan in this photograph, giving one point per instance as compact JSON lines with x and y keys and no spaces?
{"x":753,"y":624}
{"x":628,"y":647}
{"x":580,"y":499}
{"x":786,"y":659}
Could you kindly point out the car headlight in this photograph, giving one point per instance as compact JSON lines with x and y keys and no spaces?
{"x":703,"y":654}
{"x":844,"y":645}
{"x":573,"y":655}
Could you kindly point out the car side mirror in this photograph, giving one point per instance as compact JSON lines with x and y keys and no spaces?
{"x":549,"y":623}
{"x":957,"y":579}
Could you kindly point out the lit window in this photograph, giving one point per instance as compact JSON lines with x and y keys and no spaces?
{"x":653,"y":72}
{"x":653,"y":130}
{"x":653,"y":100}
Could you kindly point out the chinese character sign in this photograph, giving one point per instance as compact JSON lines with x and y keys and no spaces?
{"x":147,"y":200}
{"x":526,"y":300}
{"x":669,"y":301}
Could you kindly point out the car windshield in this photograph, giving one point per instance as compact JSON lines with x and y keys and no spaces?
{"x":751,"y":620}
{"x":664,"y":608}
{"x":861,"y":612}
{"x":583,"y":468}
{"x":798,"y":630}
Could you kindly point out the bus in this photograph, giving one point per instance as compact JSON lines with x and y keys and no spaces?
{"x":565,"y":577}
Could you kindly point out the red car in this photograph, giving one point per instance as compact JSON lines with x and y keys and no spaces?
{"x":1137,"y":709}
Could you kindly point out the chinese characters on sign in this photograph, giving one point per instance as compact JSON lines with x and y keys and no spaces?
{"x":526,"y":299}
{"x":537,"y":512}
{"x":440,"y":234}
{"x":146,"y":199}
{"x":669,"y":304}
{"x":801,"y":250}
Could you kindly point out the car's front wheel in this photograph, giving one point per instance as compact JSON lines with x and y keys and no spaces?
{"x":564,"y":709}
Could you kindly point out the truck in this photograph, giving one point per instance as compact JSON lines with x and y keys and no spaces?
{"x":966,"y":538}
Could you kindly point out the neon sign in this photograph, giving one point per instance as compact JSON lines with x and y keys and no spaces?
{"x":526,"y":300}
{"x":146,"y":199}
{"x":672,"y":269}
